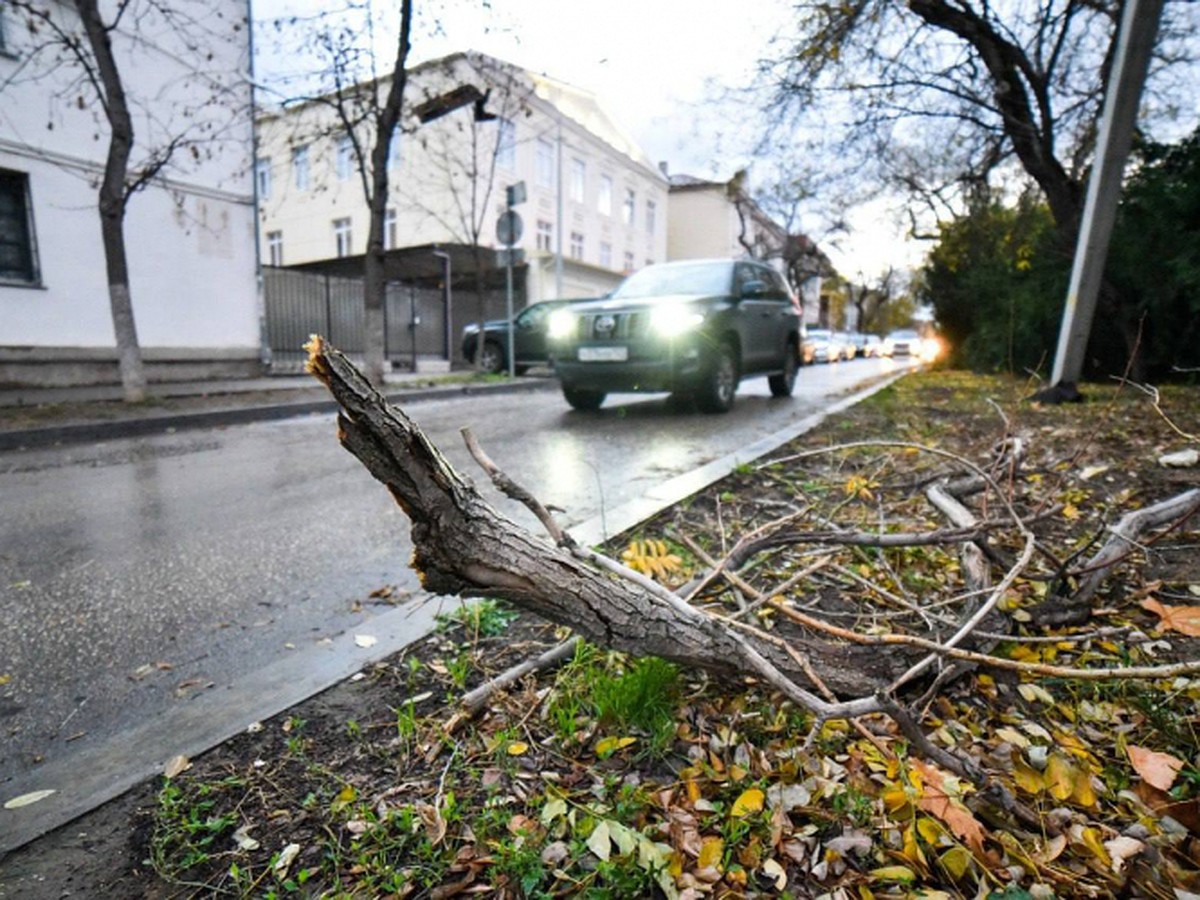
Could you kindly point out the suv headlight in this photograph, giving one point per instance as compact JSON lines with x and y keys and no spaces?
{"x":561,"y":325}
{"x":674,"y":320}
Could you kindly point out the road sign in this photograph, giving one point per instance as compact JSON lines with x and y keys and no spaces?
{"x":516,"y":255}
{"x":508,"y":227}
{"x":515,"y":194}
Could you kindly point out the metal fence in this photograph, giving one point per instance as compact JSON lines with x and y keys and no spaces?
{"x":299,"y":304}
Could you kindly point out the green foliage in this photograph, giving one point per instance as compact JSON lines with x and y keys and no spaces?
{"x":996,"y":281}
{"x":998,"y":277}
{"x":643,"y":698}
{"x":486,"y":618}
{"x":1154,"y":262}
{"x":187,"y":826}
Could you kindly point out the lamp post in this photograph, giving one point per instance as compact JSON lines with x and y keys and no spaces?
{"x":445,"y":258}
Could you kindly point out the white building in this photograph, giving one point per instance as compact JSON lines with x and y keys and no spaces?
{"x":189,"y":232}
{"x":719,"y":219}
{"x":588,"y":185}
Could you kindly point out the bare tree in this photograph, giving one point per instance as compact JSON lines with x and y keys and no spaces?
{"x":86,"y":46}
{"x":942,"y":96}
{"x":463,"y":153}
{"x":367,"y":113}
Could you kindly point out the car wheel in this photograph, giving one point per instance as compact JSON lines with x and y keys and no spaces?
{"x":784,"y":383}
{"x":720,"y":381}
{"x":582,"y":399}
{"x":492,"y":358}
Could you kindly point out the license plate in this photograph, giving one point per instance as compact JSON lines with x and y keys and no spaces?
{"x":603,"y":354}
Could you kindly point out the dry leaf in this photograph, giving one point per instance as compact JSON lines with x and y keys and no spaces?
{"x":175,"y":765}
{"x":711,"y":851}
{"x":286,"y":856}
{"x":27,"y":799}
{"x":599,"y":841}
{"x":1184,"y":619}
{"x":516,"y":748}
{"x":1157,"y":769}
{"x":610,"y":745}
{"x":935,"y":800}
{"x":772,"y":869}
{"x":365,"y":640}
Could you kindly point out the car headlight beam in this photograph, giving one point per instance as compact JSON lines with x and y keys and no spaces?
{"x":561,"y":324}
{"x":674,"y":320}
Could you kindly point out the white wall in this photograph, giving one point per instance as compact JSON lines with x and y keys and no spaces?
{"x":430,"y":188}
{"x":189,"y":235}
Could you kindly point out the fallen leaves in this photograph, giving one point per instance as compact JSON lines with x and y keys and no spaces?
{"x":653,"y":558}
{"x":28,"y":799}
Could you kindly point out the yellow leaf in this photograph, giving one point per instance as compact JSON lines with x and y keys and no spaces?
{"x":516,"y":748}
{"x":711,"y":850}
{"x":937,"y":799}
{"x":750,"y":801}
{"x":1028,"y":778}
{"x":176,"y":765}
{"x":606,"y":747}
{"x":1071,"y":511}
{"x":1060,"y":776}
{"x":1032,"y":692}
{"x":599,"y":841}
{"x":894,"y":873}
{"x":1090,"y":838}
{"x":956,"y":861}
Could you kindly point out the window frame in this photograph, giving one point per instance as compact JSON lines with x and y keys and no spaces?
{"x":506,"y":144}
{"x":545,"y":234}
{"x":274,"y":248}
{"x":577,"y":246}
{"x":301,"y":168}
{"x":22,"y":193}
{"x":577,"y":188}
{"x":544,"y":167}
{"x":343,"y":229}
{"x":262,"y":177}
{"x":343,"y":160}
{"x":604,"y":196}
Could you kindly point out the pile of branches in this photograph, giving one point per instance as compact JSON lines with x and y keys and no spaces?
{"x":846,"y":606}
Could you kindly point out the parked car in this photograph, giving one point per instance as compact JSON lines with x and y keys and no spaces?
{"x":822,"y":346}
{"x":846,"y":345}
{"x":866,"y":345}
{"x":691,"y":327}
{"x":529,"y":339}
{"x":903,"y":342}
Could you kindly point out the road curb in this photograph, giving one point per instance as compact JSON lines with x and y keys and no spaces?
{"x":91,"y":432}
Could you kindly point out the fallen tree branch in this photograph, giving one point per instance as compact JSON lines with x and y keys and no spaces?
{"x":474,"y":700}
{"x":461,"y":545}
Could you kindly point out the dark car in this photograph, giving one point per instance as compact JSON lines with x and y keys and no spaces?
{"x":529,"y":339}
{"x":692,"y":327}
{"x":866,"y":345}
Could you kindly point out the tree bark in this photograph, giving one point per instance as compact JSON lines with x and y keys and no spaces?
{"x":463,"y":546}
{"x":113,"y":199}
{"x":374,"y":280}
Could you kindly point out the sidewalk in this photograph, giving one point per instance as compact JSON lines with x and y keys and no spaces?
{"x":43,"y":417}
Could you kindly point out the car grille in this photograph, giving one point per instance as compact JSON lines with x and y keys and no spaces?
{"x":625,"y":326}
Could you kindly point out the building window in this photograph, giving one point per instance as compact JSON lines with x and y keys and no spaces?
{"x":394,"y":149}
{"x":344,"y":164}
{"x":545,"y":235}
{"x":628,"y":262}
{"x":300,"y":167}
{"x":5,"y":50}
{"x":506,"y":144}
{"x":391,"y":232}
{"x":18,"y":250}
{"x":576,"y":245}
{"x":606,"y":254}
{"x":545,"y":163}
{"x":342,"y":236}
{"x":604,"y":196}
{"x":275,"y":248}
{"x":578,"y":177}
{"x":262,"y":172}
{"x":651,"y":211}
{"x":627,"y":208}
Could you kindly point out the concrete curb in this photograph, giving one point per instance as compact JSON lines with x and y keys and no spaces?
{"x":89,"y":432}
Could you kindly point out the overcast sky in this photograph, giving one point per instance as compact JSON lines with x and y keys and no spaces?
{"x":660,"y":67}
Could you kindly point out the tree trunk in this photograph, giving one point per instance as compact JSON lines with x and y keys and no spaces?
{"x":374,"y":281}
{"x":112,"y":202}
{"x":463,"y":546}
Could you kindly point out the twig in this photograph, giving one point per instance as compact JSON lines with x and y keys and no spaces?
{"x":514,"y":491}
{"x":473,"y":701}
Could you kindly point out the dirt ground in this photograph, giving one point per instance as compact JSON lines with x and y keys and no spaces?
{"x":387,"y":744}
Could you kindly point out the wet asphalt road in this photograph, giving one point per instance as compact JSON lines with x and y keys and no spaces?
{"x":135,"y":573}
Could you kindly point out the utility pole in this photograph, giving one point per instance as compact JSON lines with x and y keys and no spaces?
{"x":1139,"y":25}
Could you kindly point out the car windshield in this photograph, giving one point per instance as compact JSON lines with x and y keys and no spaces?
{"x":665,"y":281}
{"x":818,"y":334}
{"x":904,"y":335}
